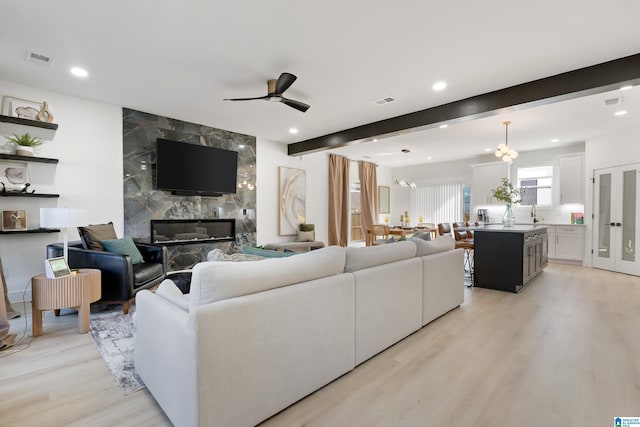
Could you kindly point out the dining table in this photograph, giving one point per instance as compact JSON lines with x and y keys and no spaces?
{"x":409,"y":231}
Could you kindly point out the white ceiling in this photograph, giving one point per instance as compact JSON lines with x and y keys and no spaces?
{"x":181,"y":58}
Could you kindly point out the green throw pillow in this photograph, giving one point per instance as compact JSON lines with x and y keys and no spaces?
{"x":124,"y":246}
{"x":265,"y":252}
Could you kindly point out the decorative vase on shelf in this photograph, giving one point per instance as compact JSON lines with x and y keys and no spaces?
{"x":509,"y":218}
{"x":24,"y":150}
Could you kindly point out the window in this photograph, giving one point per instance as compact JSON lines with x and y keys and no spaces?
{"x":536,"y":185}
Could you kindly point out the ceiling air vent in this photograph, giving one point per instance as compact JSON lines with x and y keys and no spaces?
{"x":39,"y":58}
{"x":613,"y":101}
{"x":385,"y":100}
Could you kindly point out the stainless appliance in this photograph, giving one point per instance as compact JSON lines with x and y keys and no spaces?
{"x":483,"y":215}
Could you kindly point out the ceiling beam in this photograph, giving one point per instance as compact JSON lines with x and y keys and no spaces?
{"x":572,"y":84}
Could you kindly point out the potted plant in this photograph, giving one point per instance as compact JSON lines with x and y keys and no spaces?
{"x":508,"y":194}
{"x":25,"y":143}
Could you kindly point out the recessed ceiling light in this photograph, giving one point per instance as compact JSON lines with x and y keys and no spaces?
{"x":439,"y":85}
{"x":627,"y":87}
{"x":488,"y":150}
{"x":79,"y":72}
{"x":555,"y":140}
{"x":444,"y":126}
{"x":620,"y":113}
{"x":293,"y":131}
{"x":429,"y":158}
{"x":375,"y":139}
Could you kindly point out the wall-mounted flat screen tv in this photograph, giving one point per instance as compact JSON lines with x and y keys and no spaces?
{"x":191,"y":169}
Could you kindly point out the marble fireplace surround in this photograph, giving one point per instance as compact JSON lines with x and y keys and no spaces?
{"x":143,"y":202}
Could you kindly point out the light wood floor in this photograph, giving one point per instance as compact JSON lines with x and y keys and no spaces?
{"x":563,"y":352}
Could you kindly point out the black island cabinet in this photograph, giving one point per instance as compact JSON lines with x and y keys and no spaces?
{"x":507,"y":258}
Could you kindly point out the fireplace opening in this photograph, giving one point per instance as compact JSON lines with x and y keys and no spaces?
{"x":187,"y":231}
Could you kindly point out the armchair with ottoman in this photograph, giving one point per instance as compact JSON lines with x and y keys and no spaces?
{"x":306,"y":241}
{"x":127,"y":267}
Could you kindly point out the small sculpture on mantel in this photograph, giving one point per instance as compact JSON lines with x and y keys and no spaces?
{"x":45,"y":115}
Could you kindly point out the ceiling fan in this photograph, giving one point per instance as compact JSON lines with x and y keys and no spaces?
{"x":275,"y":89}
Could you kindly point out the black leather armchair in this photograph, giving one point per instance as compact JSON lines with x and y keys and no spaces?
{"x":121,"y":279}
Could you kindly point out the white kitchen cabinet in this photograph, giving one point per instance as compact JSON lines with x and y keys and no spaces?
{"x":486,"y":177}
{"x":569,"y":242}
{"x":551,"y":233}
{"x":571,"y":176}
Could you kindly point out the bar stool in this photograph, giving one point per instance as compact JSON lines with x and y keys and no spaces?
{"x":464,"y":241}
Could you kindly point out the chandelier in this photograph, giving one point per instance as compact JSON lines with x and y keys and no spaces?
{"x":503,"y":149}
{"x":405,"y":182}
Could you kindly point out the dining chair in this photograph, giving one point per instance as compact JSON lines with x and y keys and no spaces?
{"x":381,"y":230}
{"x":444,"y":228}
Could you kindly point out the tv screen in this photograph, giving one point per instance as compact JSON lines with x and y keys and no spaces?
{"x":195,"y":169}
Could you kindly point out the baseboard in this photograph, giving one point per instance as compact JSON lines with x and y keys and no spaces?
{"x":565,"y":261}
{"x":19,"y":296}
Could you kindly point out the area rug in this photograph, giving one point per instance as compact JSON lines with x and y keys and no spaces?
{"x":114,"y":332}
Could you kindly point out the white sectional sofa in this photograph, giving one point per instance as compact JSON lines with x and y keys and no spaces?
{"x":252,"y":338}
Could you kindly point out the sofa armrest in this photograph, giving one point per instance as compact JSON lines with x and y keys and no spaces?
{"x":165,"y":357}
{"x":117,"y":269}
{"x":153,"y":253}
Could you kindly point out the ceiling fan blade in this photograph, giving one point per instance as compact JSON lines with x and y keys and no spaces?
{"x":300,"y":106}
{"x":245,"y":99}
{"x":284,"y":81}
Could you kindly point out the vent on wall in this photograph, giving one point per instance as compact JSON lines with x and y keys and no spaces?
{"x":39,"y":58}
{"x":613,"y":101}
{"x":385,"y":100}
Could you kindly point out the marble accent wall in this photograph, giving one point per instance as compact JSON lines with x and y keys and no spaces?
{"x":142,"y":202}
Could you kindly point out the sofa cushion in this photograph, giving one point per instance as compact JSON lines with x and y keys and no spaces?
{"x":422,"y":235}
{"x":370,"y":256}
{"x":169,"y":291}
{"x":92,"y":235}
{"x":267,"y":253}
{"x":440,"y":244}
{"x":124,"y":246}
{"x":219,"y":255}
{"x":215,"y":281}
{"x":145,"y":272}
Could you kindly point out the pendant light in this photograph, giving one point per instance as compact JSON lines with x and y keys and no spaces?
{"x":405,"y":181}
{"x":503,"y":149}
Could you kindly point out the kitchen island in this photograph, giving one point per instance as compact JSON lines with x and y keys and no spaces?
{"x":508,"y":258}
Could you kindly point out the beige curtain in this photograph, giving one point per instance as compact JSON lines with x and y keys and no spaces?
{"x":6,"y":339}
{"x":11,"y":312}
{"x":368,"y":196}
{"x":338,"y":200}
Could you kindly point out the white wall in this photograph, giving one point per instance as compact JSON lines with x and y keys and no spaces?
{"x":269,"y":156}
{"x":88,"y":144}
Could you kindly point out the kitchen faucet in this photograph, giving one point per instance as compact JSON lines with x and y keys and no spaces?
{"x":533,"y":213}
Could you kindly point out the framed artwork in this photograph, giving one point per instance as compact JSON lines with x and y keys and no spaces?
{"x":22,"y":108}
{"x":14,"y":220}
{"x":292,"y":200}
{"x":383,"y":199}
{"x":13,"y":175}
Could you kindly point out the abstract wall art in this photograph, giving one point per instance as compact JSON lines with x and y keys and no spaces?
{"x":292,"y":195}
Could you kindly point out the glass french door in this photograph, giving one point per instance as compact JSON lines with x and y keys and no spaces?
{"x":616,"y":219}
